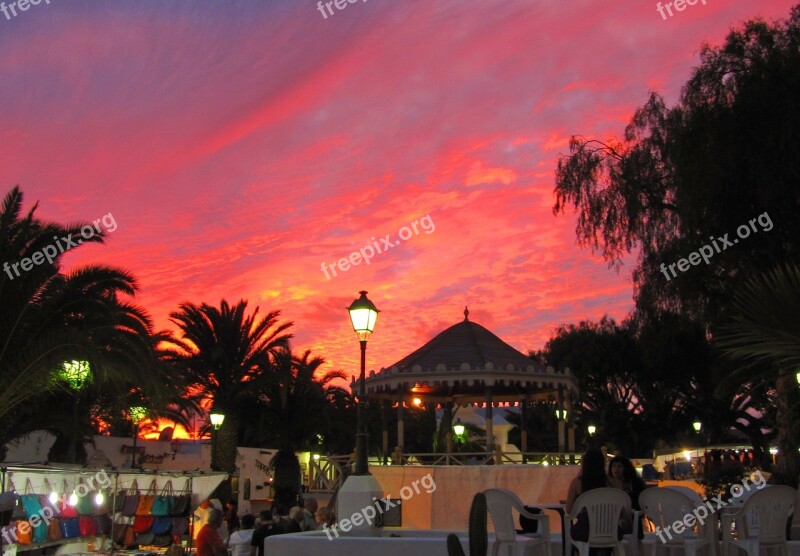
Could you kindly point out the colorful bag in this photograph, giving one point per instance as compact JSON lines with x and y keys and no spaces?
{"x":145,"y":539}
{"x":162,"y":540}
{"x":23,"y":532}
{"x":120,"y":532}
{"x":70,"y":529}
{"x":180,"y":525}
{"x":54,"y":529}
{"x":131,"y":500}
{"x":130,"y":537}
{"x":44,"y":501}
{"x":142,"y":524}
{"x":103,"y":524}
{"x":162,"y":525}
{"x":33,"y":508}
{"x":145,"y":505}
{"x":85,"y":505}
{"x":67,"y":511}
{"x":162,"y":504}
{"x":87,"y":526}
{"x":182,"y":503}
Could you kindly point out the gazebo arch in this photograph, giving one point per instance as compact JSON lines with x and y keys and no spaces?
{"x":468,"y":364}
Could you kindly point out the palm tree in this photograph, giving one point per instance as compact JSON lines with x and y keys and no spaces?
{"x":49,"y":318}
{"x":764,"y":334}
{"x":296,"y":400}
{"x":223,"y":357}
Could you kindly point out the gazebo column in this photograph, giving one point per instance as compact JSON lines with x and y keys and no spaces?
{"x":570,"y":427}
{"x":385,"y":408}
{"x":448,"y":433}
{"x":489,"y":424}
{"x":523,"y":415}
{"x":400,"y":434}
{"x":561,"y":422}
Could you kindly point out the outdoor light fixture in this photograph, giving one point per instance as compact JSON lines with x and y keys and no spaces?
{"x":216,"y":420}
{"x":591,"y":429}
{"x":688,"y":455}
{"x":458,"y":428}
{"x":136,"y":414}
{"x":417,"y":402}
{"x":99,"y":498}
{"x":363,"y":315}
{"x":797,"y":376}
{"x":76,"y":373}
{"x":561,"y":414}
{"x":697,"y":426}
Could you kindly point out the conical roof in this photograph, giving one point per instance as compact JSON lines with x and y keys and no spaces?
{"x":466,"y":342}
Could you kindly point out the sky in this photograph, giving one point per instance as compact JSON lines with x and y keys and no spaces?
{"x":239,"y":147}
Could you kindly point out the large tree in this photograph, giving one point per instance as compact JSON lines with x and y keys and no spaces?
{"x":50,"y":318}
{"x":717,"y":174}
{"x":224,"y":357}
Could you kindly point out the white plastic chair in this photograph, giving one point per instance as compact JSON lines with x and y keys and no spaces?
{"x":760,"y":522}
{"x":500,"y":503}
{"x":604,"y":507}
{"x":665,"y":506}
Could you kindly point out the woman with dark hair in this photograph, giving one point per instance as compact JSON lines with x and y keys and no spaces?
{"x":622,"y":475}
{"x":592,"y":475}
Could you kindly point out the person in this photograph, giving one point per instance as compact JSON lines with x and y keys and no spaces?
{"x":592,"y":475}
{"x":267,"y":528}
{"x":296,"y":516}
{"x":240,"y":540}
{"x":231,"y":517}
{"x":209,"y":541}
{"x":622,"y":475}
{"x":328,"y":517}
{"x":309,"y":515}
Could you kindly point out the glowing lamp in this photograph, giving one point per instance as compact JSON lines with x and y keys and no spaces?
{"x":363,"y":315}
{"x":217,"y":419}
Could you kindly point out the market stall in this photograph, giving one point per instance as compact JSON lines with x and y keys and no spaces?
{"x":64,"y":506}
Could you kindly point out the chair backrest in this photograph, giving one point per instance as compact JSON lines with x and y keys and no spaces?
{"x":499,"y":503}
{"x":664,"y":506}
{"x":767,"y":511}
{"x":693,"y":495}
{"x":604,"y":507}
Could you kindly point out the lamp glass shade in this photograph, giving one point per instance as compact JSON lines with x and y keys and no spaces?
{"x":75,"y":373}
{"x":592,"y":429}
{"x":797,"y":376}
{"x":137,"y":414}
{"x":458,"y":428}
{"x":363,"y":315}
{"x":217,"y":419}
{"x":697,"y":426}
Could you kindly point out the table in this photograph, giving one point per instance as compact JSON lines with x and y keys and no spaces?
{"x":561,"y":510}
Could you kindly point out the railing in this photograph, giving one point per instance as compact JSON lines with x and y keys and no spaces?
{"x":327,"y":473}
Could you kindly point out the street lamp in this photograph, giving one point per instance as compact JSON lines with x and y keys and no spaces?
{"x":217,"y":419}
{"x":136,"y":414}
{"x":458,"y":428}
{"x":363,"y":315}
{"x":76,"y":374}
{"x":561,"y":414}
{"x":591,"y":429}
{"x":797,"y":376}
{"x":697,"y":425}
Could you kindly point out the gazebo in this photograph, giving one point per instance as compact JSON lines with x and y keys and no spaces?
{"x":467,"y":364}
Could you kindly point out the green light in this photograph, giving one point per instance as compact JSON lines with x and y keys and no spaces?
{"x":137,"y":414}
{"x":75,"y":373}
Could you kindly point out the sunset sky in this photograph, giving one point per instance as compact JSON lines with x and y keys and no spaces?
{"x":240,"y":145}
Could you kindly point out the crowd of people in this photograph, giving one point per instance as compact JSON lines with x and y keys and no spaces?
{"x":246,"y":536}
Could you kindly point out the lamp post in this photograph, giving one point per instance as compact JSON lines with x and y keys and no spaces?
{"x":76,"y":374}
{"x":363,"y":315}
{"x":217,"y":418}
{"x":136,"y":414}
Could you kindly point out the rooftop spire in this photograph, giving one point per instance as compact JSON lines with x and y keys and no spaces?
{"x":466,"y":313}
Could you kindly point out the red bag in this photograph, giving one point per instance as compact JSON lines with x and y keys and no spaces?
{"x":142,"y":524}
{"x":67,"y":511}
{"x":87,"y":526}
